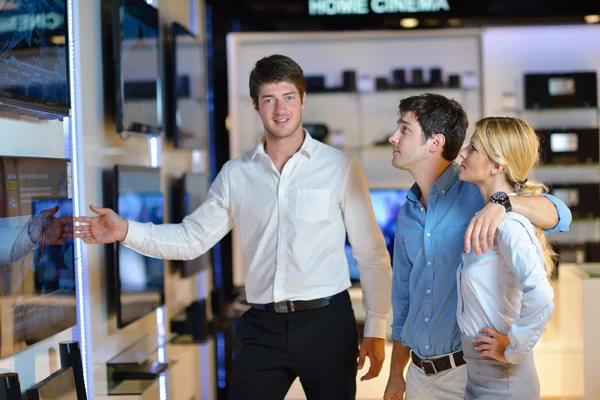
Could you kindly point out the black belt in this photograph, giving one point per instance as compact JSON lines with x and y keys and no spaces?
{"x":294,"y":306}
{"x":437,"y":365}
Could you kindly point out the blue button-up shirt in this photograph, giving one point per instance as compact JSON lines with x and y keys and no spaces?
{"x":428,"y":246}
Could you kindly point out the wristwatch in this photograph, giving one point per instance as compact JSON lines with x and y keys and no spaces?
{"x":502,"y":199}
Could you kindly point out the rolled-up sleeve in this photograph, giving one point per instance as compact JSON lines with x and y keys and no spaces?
{"x":400,"y":285}
{"x":519,"y":249}
{"x":368,"y":247}
{"x":194,"y":236}
{"x":564,"y":215}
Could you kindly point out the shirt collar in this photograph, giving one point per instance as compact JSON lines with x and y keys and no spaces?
{"x":307,"y":148}
{"x":442,"y":183}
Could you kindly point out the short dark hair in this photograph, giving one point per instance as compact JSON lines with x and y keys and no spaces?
{"x":275,"y":69}
{"x":438,"y":114}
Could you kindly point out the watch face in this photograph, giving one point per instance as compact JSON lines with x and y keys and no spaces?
{"x":500,"y":197}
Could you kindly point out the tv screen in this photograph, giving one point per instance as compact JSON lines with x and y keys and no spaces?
{"x":139,"y":279}
{"x":37,"y":275}
{"x":58,"y":386}
{"x":386,"y":205}
{"x":186,"y":112}
{"x":189,"y":193}
{"x":34,"y":71}
{"x":133,"y":65}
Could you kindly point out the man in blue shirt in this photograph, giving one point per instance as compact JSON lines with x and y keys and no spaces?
{"x":435,"y":224}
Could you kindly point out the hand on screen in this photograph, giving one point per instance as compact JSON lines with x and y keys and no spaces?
{"x":47,"y":230}
{"x":107,"y":227}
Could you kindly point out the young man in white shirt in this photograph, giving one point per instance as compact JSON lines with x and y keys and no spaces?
{"x":293,"y":200}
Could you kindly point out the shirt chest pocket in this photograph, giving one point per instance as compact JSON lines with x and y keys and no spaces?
{"x":312,"y":205}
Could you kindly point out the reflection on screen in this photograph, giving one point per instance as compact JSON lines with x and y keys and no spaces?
{"x":386,"y":205}
{"x":141,"y":278}
{"x":561,"y":86}
{"x":33,"y":58}
{"x":37,"y":276}
{"x":564,"y":142}
{"x":139,"y":66}
{"x":59,"y":386}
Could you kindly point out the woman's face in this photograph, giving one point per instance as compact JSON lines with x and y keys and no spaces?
{"x":476,"y":165}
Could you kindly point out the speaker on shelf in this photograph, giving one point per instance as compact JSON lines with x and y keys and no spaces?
{"x":398,"y":78}
{"x":10,"y":387}
{"x":197,"y":320}
{"x":70,"y":356}
{"x":381,"y":83}
{"x":435,"y":77}
{"x":349,"y":81}
{"x":417,"y":77}
{"x":454,"y":81}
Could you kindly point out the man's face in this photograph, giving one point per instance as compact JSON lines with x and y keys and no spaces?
{"x":280,"y":108}
{"x":407,"y":141}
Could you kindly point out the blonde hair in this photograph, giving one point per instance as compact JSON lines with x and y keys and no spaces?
{"x":513,"y":144}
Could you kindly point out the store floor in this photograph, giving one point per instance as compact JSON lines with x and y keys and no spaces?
{"x":558,"y":354}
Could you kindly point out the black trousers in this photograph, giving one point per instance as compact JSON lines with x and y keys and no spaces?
{"x":318,"y":346}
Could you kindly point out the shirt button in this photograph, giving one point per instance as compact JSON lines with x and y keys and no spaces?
{"x":422,"y":209}
{"x":428,"y":234}
{"x":428,"y":291}
{"x":428,"y":262}
{"x":427,"y":347}
{"x":426,"y":319}
{"x":443,"y":191}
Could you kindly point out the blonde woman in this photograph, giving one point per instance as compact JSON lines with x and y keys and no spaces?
{"x":504,"y":296}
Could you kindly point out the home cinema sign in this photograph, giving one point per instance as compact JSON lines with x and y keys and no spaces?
{"x":358,"y":7}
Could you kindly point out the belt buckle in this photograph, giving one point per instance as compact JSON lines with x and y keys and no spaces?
{"x":281,"y":307}
{"x":434,"y":369}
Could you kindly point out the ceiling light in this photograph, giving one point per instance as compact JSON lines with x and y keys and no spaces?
{"x":592,"y":19}
{"x":409,"y":22}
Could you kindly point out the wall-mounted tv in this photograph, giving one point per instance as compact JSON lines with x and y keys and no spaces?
{"x":188,"y":193}
{"x":386,"y":205}
{"x":569,"y":146}
{"x":134,"y":193}
{"x":132,"y":72}
{"x":37,"y":275}
{"x":34,"y":67}
{"x":561,"y":90}
{"x":186,"y":111}
{"x":58,"y":386}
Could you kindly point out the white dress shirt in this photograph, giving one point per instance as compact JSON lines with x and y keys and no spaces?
{"x":507,"y":288}
{"x":292,"y":227}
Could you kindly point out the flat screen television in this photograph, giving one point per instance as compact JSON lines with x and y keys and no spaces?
{"x":34,"y":62}
{"x":561,"y":90}
{"x":386,"y":205}
{"x":186,"y":111}
{"x":188,"y":193}
{"x":132,"y":72}
{"x":138,"y":279}
{"x":58,"y":386}
{"x":37,"y":275}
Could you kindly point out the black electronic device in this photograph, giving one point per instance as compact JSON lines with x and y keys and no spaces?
{"x":317,"y":131}
{"x":34,"y":59}
{"x":398,"y":79}
{"x":561,"y":90}
{"x":132,"y":77}
{"x":582,"y":199}
{"x":349,"y":81}
{"x":193,"y":321}
{"x":189,"y":192}
{"x":569,"y":146}
{"x":10,"y":387}
{"x":186,"y":106}
{"x":134,"y":192}
{"x":417,"y":79}
{"x":315,"y":84}
{"x":58,"y":386}
{"x":381,"y":83}
{"x":70,"y":356}
{"x":37,"y":280}
{"x":435,"y":77}
{"x":454,"y":81}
